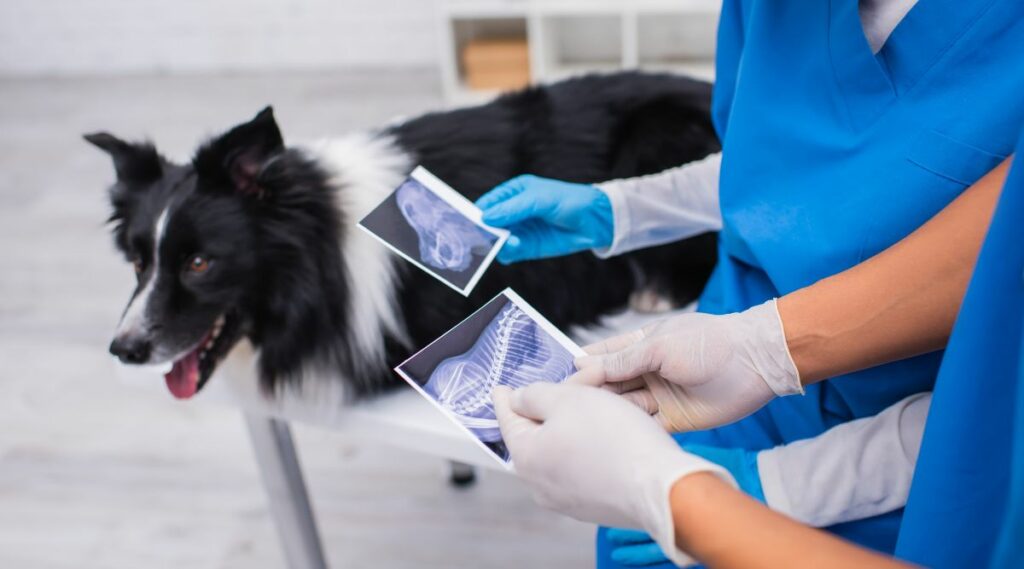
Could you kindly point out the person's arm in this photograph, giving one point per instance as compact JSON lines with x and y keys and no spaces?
{"x":724,"y":528}
{"x":550,"y":218}
{"x":697,"y":371}
{"x":591,"y":455}
{"x":855,"y":470}
{"x":897,"y":304}
{"x":668,"y":206}
{"x":868,"y":464}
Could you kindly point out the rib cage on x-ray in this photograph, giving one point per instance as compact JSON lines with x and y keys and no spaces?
{"x":513,"y":350}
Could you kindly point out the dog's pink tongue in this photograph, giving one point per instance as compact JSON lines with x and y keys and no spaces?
{"x":183,"y":379}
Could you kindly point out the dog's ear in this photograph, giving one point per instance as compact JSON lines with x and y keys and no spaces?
{"x":133,"y":162}
{"x":236,"y":158}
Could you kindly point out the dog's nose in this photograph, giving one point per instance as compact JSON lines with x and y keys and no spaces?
{"x":131,"y":350}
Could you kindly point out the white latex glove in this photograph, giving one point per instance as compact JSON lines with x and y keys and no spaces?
{"x":590,"y":455}
{"x":697,"y":371}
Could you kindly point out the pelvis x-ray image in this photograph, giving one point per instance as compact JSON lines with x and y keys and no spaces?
{"x":447,"y":239}
{"x":437,"y":229}
{"x":501,"y":344}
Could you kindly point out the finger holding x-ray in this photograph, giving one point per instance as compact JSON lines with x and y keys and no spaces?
{"x":506,"y":342}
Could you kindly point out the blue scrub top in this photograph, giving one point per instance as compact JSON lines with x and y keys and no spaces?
{"x":832,"y":153}
{"x":966,"y":505}
{"x":968,"y":489}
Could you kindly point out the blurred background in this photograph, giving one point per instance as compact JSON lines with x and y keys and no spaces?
{"x":96,"y":474}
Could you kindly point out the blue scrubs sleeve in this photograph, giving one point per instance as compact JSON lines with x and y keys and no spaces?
{"x":963,"y":495}
{"x":1010,"y":547}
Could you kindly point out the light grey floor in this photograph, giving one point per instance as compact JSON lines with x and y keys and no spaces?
{"x":96,"y":475}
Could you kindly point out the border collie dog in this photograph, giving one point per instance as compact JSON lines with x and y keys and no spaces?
{"x":257,"y":239}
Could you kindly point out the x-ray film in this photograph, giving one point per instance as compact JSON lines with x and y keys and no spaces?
{"x":437,"y":229}
{"x":505,"y":342}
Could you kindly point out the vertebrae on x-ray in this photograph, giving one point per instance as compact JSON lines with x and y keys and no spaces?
{"x":514,"y":351}
{"x":447,"y":240}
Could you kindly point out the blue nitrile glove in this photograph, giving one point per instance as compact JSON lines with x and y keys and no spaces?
{"x":547,"y":218}
{"x":635,"y":548}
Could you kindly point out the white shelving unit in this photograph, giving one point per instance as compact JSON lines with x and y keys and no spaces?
{"x":570,"y":37}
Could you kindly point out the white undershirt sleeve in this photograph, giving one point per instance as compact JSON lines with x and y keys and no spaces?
{"x":853,"y":471}
{"x":675,"y":204}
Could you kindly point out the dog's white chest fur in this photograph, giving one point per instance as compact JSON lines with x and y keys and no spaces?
{"x":366,"y":169}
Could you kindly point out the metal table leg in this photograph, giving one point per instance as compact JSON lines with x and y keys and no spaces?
{"x":286,"y":492}
{"x":461,"y":474}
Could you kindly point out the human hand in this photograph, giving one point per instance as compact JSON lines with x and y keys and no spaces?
{"x":547,"y":218}
{"x":588,"y":454}
{"x":696,"y":371}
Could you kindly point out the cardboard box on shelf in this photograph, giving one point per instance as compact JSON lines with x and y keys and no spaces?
{"x":496,"y":63}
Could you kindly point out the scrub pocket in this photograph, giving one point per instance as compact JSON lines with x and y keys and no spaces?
{"x":952,"y":159}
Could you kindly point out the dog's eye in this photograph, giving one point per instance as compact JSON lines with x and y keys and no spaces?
{"x":198,"y":264}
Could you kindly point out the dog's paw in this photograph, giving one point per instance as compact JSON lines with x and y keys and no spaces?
{"x":649,"y":302}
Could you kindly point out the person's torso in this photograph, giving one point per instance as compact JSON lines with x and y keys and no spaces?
{"x":832,"y":153}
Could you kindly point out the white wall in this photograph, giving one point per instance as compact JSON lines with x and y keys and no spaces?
{"x":138,"y":36}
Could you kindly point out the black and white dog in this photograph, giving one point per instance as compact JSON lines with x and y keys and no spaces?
{"x":257,"y":239}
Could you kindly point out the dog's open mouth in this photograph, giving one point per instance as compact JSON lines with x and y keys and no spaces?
{"x":190,"y":372}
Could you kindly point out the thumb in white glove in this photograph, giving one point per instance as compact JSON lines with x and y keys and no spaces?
{"x":590,"y":455}
{"x":697,"y":371}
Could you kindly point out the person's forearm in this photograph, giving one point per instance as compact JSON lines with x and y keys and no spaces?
{"x":674,"y":204}
{"x":901,"y":302}
{"x":722,"y":527}
{"x":868,"y":462}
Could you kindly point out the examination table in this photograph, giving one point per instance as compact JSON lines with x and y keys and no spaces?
{"x":401,"y":419}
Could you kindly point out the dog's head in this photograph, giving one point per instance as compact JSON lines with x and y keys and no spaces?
{"x":217,"y":245}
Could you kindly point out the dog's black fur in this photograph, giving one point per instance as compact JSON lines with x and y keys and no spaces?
{"x":266,"y":219}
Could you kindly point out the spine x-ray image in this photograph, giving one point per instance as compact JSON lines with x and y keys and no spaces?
{"x":513,"y":350}
{"x":447,"y":240}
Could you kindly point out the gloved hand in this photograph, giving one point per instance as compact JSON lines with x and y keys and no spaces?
{"x":547,"y":218}
{"x":636,"y":548}
{"x":588,"y":454}
{"x":697,"y":371}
